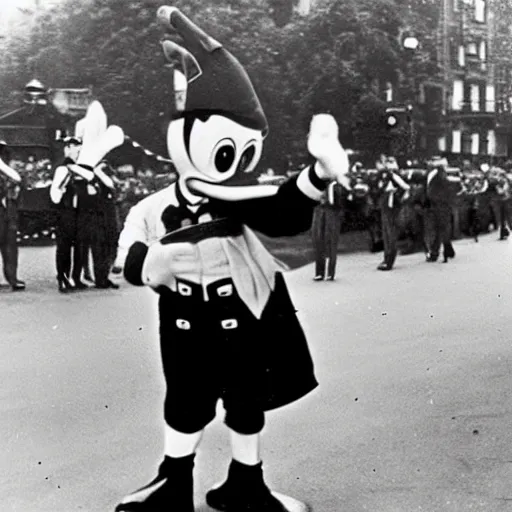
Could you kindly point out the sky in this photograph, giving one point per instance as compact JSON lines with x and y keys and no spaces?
{"x":7,"y":7}
{"x":17,"y":9}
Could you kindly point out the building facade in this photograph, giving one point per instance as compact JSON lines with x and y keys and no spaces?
{"x":465,"y":111}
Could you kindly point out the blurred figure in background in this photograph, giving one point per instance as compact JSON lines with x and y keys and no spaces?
{"x":326,"y":228}
{"x":105,"y":227}
{"x":393,"y":189}
{"x":10,"y":189}
{"x":439,"y":200}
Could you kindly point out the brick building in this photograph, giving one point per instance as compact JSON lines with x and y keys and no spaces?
{"x":465,"y":110}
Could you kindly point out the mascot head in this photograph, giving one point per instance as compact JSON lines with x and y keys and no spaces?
{"x":216,"y":131}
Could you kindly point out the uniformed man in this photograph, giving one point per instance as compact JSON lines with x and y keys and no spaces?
{"x":393,"y":190}
{"x":326,"y":228}
{"x":104,"y":227}
{"x":66,"y":192}
{"x":10,"y":188}
{"x":440,"y":198}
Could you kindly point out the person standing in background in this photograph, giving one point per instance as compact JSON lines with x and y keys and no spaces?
{"x":326,"y":228}
{"x":440,"y":197}
{"x":393,"y":189}
{"x":105,"y":229}
{"x":64,"y":193}
{"x":10,"y":189}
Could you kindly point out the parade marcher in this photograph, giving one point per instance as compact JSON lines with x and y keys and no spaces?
{"x":413,"y":212}
{"x":65,"y":192}
{"x":440,"y":198}
{"x":327,"y":219}
{"x":104,"y":227}
{"x":228,"y":329}
{"x":501,"y":205}
{"x":393,"y":190}
{"x":472,"y":190}
{"x":10,"y":182}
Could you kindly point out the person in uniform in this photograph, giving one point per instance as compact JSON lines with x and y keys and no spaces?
{"x":228,"y":328}
{"x":68,"y":184}
{"x":393,"y":190}
{"x":10,"y":186}
{"x":440,"y":197}
{"x":327,"y":219}
{"x":502,"y":204}
{"x":104,"y":233}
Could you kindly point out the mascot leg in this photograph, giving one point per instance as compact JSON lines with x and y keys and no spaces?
{"x":244,"y":489}
{"x":173,"y":487}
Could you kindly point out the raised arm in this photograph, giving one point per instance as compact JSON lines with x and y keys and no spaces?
{"x":288,"y":212}
{"x":60,"y":180}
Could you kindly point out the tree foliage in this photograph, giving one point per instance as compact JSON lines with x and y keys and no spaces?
{"x":329,"y":61}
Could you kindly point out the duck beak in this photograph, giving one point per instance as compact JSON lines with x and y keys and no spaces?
{"x":230,"y":193}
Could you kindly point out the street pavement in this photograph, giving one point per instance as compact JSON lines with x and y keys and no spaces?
{"x":413,"y":411}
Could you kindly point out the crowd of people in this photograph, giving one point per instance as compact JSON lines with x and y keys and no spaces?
{"x":395,"y":203}
{"x":427,"y":205}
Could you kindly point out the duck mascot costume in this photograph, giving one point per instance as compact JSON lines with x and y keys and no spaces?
{"x":228,"y":329}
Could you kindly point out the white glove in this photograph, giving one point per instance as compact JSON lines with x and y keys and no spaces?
{"x":323,"y":144}
{"x":164,"y":262}
{"x":97,"y":138}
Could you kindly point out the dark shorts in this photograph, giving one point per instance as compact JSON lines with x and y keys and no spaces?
{"x":217,"y":349}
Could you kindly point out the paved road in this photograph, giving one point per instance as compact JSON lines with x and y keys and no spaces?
{"x":414,"y":411}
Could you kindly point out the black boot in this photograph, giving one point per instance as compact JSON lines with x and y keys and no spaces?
{"x":431,"y":257}
{"x":384,"y":266}
{"x":65,"y":285}
{"x":171,"y":491}
{"x":18,"y":285}
{"x":244,"y":491}
{"x":448,"y":252}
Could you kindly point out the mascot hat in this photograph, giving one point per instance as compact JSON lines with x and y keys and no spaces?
{"x":217,"y":82}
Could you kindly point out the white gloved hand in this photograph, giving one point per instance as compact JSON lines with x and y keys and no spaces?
{"x":323,"y":144}
{"x":164,"y":262}
{"x":98,"y":139}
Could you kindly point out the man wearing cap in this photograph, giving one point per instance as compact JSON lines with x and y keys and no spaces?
{"x":67,"y":192}
{"x":9,"y":192}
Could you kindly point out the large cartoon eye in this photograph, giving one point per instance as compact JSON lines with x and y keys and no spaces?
{"x":225,"y":156}
{"x":246,"y":158}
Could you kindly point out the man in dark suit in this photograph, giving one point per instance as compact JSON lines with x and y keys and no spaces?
{"x":392,"y":191}
{"x":326,"y":228}
{"x":440,"y":198}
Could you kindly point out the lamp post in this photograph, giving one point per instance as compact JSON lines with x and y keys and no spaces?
{"x":410,"y":45}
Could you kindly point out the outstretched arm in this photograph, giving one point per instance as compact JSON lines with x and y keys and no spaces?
{"x":288,"y":212}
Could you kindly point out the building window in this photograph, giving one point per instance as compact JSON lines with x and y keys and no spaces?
{"x":457,"y":94}
{"x":480,"y":8}
{"x":456,"y":141}
{"x":490,"y":98}
{"x":441,"y":144}
{"x":475,"y":97}
{"x":462,"y":56}
{"x":472,"y":49}
{"x":455,"y":5}
{"x":475,"y":143}
{"x":421,"y":94}
{"x":491,"y":142}
{"x":389,"y":92}
{"x":483,"y":51}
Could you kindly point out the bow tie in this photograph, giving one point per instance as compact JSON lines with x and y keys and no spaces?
{"x":177,"y":217}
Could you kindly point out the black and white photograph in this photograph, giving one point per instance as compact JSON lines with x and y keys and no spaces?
{"x":255,"y":255}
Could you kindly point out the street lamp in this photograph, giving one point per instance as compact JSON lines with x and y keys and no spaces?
{"x":411,"y":43}
{"x":35,"y":93}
